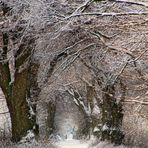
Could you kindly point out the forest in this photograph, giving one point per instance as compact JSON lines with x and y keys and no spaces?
{"x":74,"y":73}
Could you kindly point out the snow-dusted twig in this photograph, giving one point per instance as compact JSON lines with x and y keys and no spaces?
{"x":103,"y":38}
{"x":128,"y":62}
{"x":132,"y":2}
{"x":85,"y":81}
{"x":82,"y":7}
{"x":78,"y":100}
{"x":77,"y":53}
{"x":72,"y":57}
{"x":120,"y":72}
{"x":58,"y":58}
{"x":138,"y":56}
{"x":98,"y":34}
{"x":136,"y":101}
{"x":106,"y":14}
{"x":2,"y":113}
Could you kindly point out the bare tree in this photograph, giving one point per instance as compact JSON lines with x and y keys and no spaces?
{"x":15,"y":66}
{"x":25,"y":22}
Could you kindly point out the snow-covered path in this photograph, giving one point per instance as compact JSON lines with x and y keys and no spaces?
{"x":72,"y":143}
{"x":92,"y":143}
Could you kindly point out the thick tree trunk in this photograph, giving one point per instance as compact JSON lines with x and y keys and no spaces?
{"x":21,"y":117}
{"x":17,"y":92}
{"x":50,"y":118}
{"x":111,"y":117}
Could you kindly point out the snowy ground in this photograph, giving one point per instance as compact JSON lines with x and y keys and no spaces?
{"x":72,"y":144}
{"x":4,"y":115}
{"x":64,"y":128}
{"x":84,"y":144}
{"x":89,"y":143}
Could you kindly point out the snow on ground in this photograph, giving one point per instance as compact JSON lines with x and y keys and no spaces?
{"x":91,"y":143}
{"x":85,"y":144}
{"x":67,"y":127}
{"x":72,"y":143}
{"x":4,"y":115}
{"x":75,"y":143}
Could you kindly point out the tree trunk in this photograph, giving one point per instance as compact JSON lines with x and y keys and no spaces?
{"x":17,"y":92}
{"x":111,"y":117}
{"x":21,"y":117}
{"x":50,"y":118}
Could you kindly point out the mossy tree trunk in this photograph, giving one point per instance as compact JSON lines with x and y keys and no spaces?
{"x":17,"y":91}
{"x":112,"y":116}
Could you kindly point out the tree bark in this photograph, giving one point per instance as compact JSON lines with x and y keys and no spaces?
{"x":112,"y":116}
{"x":17,"y":92}
{"x":50,"y":118}
{"x":21,"y":117}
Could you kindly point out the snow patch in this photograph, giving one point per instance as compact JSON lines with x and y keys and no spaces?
{"x":30,"y":135}
{"x":72,"y":143}
{"x":32,"y":113}
{"x":105,"y":127}
{"x":96,"y":110}
{"x":96,"y":129}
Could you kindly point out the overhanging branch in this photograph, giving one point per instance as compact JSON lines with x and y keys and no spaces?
{"x":106,"y":14}
{"x":132,"y":2}
{"x":136,"y":101}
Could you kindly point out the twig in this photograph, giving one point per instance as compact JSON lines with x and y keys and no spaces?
{"x":74,"y":56}
{"x":121,"y":71}
{"x":136,"y":101}
{"x":138,"y":56}
{"x":128,"y":62}
{"x":59,"y":57}
{"x":131,"y":2}
{"x":120,"y":50}
{"x":99,"y":33}
{"x":106,"y":14}
{"x":4,"y":113}
{"x":83,"y":7}
{"x":70,"y":59}
{"x":85,"y":81}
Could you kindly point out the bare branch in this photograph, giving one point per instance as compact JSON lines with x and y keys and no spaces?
{"x":82,"y":7}
{"x":107,"y":14}
{"x":139,"y":56}
{"x":131,"y":2}
{"x":121,"y":71}
{"x":72,"y":57}
{"x":136,"y":101}
{"x":4,"y":113}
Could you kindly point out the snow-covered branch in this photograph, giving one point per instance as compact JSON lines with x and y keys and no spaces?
{"x":106,"y":14}
{"x":137,"y":101}
{"x":132,"y":2}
